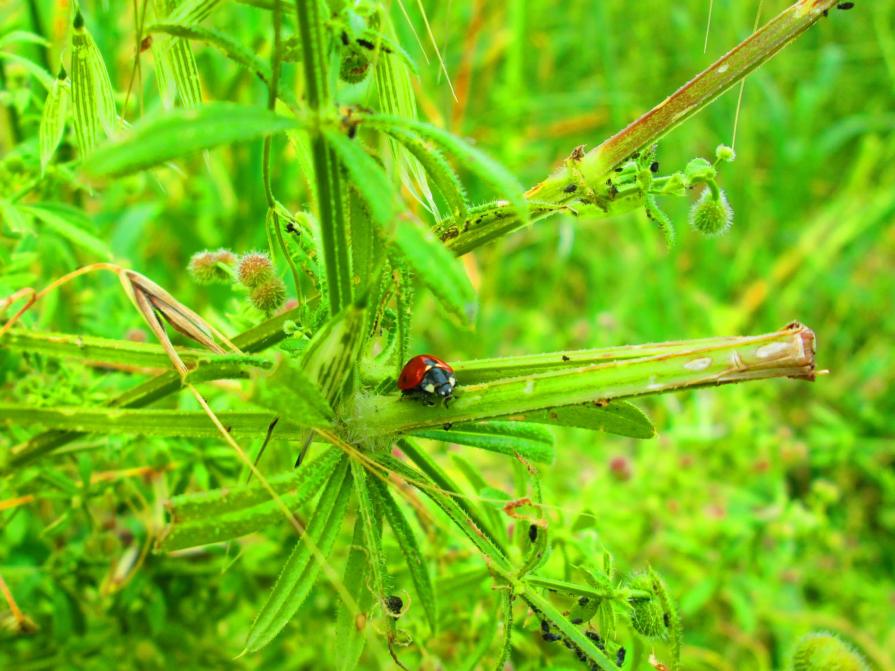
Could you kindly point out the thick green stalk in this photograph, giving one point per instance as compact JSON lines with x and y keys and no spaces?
{"x":333,"y":225}
{"x":125,"y":354}
{"x":587,"y":173}
{"x":692,"y":97}
{"x":254,"y":340}
{"x":148,"y":422}
{"x":785,"y":353}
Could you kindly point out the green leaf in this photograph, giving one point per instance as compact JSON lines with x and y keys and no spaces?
{"x":436,"y":167}
{"x":330,"y":358}
{"x":231,"y":48}
{"x":618,"y":417}
{"x":439,"y":270}
{"x":93,"y":103}
{"x":531,"y":441}
{"x":71,"y":224}
{"x":15,"y":218}
{"x":406,"y":538}
{"x":351,"y":628}
{"x":303,"y":566}
{"x":444,"y":482}
{"x":223,"y":514}
{"x":179,"y":133}
{"x":152,"y":422}
{"x":457,"y":514}
{"x":53,"y":118}
{"x":194,"y":11}
{"x":367,"y":176}
{"x":291,"y":393}
{"x":96,"y":350}
{"x":265,"y":335}
{"x":474,"y":160}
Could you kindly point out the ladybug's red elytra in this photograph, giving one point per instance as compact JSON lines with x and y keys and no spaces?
{"x":427,"y":377}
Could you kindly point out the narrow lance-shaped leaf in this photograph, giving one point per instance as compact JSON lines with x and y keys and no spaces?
{"x":474,"y":160}
{"x":231,"y":48}
{"x":124,"y":353}
{"x":396,"y":97}
{"x":367,"y":176}
{"x":152,"y":422}
{"x":436,"y":167}
{"x":180,"y":133}
{"x":618,"y":417}
{"x":439,"y":270}
{"x":303,"y":566}
{"x":291,"y":393}
{"x":446,"y":484}
{"x":416,"y":563}
{"x":352,"y":628}
{"x":53,"y":118}
{"x":256,"y":339}
{"x":530,"y":441}
{"x":221,"y":515}
{"x":455,"y":513}
{"x":72,"y":224}
{"x":92,"y":100}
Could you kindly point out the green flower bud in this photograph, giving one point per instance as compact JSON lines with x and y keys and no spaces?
{"x":254,"y":269}
{"x":699,"y":170}
{"x":647,"y":617}
{"x":711,"y":215}
{"x":725,"y":153}
{"x":269,"y":295}
{"x":824,"y":652}
{"x":212,"y":267}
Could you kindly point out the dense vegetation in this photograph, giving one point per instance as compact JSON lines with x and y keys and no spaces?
{"x":308,"y":194}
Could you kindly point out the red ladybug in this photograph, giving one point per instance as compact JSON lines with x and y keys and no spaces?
{"x":428,"y":378}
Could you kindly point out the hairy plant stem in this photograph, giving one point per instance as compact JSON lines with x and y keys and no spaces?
{"x":273,"y":92}
{"x":583,"y":177}
{"x":785,"y":353}
{"x":254,"y":340}
{"x":333,"y":225}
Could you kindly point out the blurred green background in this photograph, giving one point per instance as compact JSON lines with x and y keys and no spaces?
{"x":768,"y":507}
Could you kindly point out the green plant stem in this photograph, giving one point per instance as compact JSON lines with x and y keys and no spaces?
{"x":93,"y":350}
{"x":334,"y":236}
{"x":254,"y":340}
{"x":588,"y":173}
{"x":148,"y":422}
{"x":273,"y":92}
{"x":691,"y":98}
{"x":785,"y":353}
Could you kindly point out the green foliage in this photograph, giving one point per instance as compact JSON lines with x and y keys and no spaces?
{"x":147,"y":512}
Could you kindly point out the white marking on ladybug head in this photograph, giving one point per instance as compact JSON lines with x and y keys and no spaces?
{"x":452,"y":381}
{"x":430,"y":388}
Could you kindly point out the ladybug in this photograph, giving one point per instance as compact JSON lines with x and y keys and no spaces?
{"x":427,"y":377}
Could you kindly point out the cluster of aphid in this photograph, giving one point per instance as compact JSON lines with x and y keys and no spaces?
{"x":547,"y":634}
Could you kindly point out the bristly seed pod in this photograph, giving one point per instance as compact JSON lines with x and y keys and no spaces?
{"x":254,"y":269}
{"x":711,"y":215}
{"x":824,"y":652}
{"x":269,"y":296}
{"x":355,"y":66}
{"x":212,"y":267}
{"x":647,"y":616}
